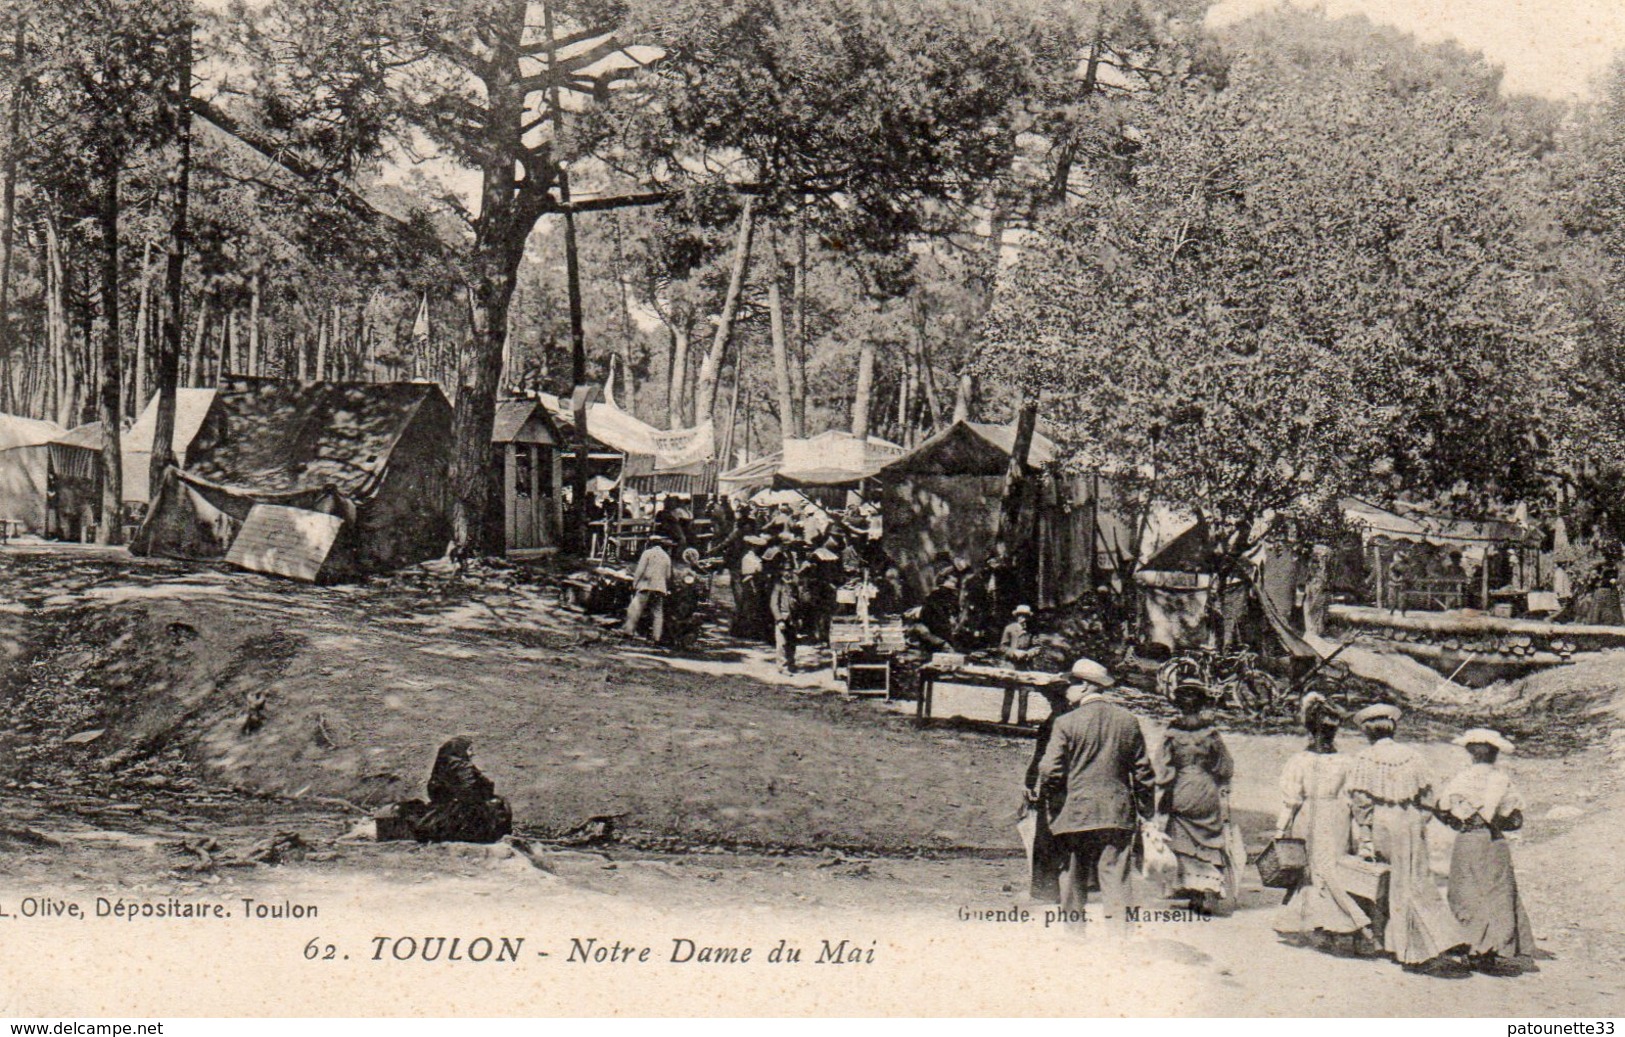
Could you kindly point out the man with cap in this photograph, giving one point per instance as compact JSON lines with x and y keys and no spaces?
{"x":1097,"y":760}
{"x":1016,"y":643}
{"x":651,"y":582}
{"x":1391,"y":800}
{"x":1481,"y":805}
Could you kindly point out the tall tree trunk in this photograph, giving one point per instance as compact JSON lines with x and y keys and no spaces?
{"x":200,"y":343}
{"x":59,"y":338}
{"x":169,"y":350}
{"x":509,"y":211}
{"x":228,"y":343}
{"x":905,"y":382}
{"x":628,"y":332}
{"x":781,"y":348}
{"x":328,"y":324}
{"x":253,"y":367}
{"x":865,"y":388}
{"x":110,"y":409}
{"x":143,"y":334}
{"x":922,"y":357}
{"x":677,"y":397}
{"x":798,"y":371}
{"x":705,"y":390}
{"x":8,"y":197}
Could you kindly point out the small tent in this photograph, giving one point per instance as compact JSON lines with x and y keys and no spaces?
{"x":323,"y":480}
{"x":25,"y":464}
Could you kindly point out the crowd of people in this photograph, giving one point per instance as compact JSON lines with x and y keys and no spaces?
{"x":793,"y":566}
{"x":1100,"y":798}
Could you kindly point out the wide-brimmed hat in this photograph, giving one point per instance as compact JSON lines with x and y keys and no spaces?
{"x":1188,"y":688}
{"x":1023,"y":610}
{"x":756,"y":540}
{"x":1090,"y":672}
{"x":1484,"y":736}
{"x":1378,"y":711}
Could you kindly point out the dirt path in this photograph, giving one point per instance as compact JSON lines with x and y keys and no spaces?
{"x":825,"y":803}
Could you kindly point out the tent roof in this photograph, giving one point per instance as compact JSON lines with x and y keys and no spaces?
{"x":1439,"y":530}
{"x":824,"y":477}
{"x":513,"y":415}
{"x":16,"y":431}
{"x":759,"y":472}
{"x":1189,"y":552}
{"x":190,"y":407}
{"x":274,"y":437}
{"x":970,"y":448}
{"x":86,"y":437}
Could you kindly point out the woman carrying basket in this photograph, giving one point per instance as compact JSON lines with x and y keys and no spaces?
{"x":1315,"y":809}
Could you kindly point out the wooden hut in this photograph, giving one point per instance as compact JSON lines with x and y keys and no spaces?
{"x":528,"y":475}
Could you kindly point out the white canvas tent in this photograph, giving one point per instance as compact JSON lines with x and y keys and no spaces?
{"x":24,"y":468}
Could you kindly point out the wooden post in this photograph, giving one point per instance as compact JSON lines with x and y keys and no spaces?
{"x":576,"y":535}
{"x":1016,"y":547}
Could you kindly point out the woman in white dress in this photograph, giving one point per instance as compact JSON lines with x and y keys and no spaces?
{"x":1315,"y":809}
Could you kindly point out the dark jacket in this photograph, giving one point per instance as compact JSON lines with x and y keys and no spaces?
{"x":1097,"y":757}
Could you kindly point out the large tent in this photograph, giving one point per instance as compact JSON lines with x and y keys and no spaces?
{"x":946,"y":496}
{"x":328,"y":479}
{"x":25,"y":464}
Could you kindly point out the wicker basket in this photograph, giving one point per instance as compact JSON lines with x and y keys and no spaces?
{"x":1283,"y":862}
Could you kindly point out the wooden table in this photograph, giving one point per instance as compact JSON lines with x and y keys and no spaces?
{"x":866,"y":649}
{"x":1016,"y":686}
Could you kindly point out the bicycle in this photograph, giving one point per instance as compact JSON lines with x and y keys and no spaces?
{"x":1233,"y":679}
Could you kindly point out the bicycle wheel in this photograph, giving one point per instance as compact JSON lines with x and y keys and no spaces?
{"x":1175,"y":671}
{"x":1262,"y":691}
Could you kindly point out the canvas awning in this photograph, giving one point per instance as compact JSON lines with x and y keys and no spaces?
{"x":1374,"y":521}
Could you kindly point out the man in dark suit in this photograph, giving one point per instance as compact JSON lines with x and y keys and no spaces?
{"x":1097,"y":766}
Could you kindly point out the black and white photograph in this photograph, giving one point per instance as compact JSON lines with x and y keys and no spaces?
{"x":799,"y":508}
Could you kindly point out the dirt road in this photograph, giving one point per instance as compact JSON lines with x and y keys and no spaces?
{"x":823,"y":805}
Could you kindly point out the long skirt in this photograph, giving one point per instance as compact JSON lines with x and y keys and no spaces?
{"x":1418,"y":925}
{"x":1199,"y":836}
{"x":1484,"y":896}
{"x":1320,"y":903}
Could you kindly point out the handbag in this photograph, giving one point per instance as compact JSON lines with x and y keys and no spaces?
{"x":1157,"y":861}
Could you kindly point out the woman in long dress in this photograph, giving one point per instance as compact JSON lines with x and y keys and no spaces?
{"x":1391,"y":798}
{"x":1195,"y":774}
{"x":1481,"y":805}
{"x":1314,"y":809}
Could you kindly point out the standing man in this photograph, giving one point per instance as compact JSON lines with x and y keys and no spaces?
{"x":786,"y":601}
{"x":651,"y":582}
{"x":1016,"y":644}
{"x":1096,"y":759}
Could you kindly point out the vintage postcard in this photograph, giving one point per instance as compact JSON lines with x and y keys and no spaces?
{"x":800,"y":508}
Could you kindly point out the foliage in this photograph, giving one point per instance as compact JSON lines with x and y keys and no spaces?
{"x":1315,"y":277}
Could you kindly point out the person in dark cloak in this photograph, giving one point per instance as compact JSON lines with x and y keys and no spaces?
{"x":1046,"y":861}
{"x":463,"y":805}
